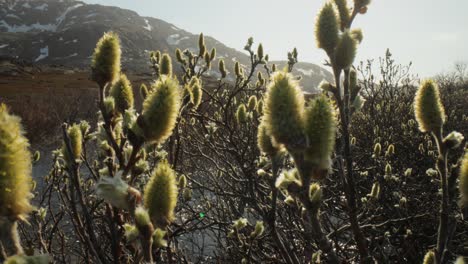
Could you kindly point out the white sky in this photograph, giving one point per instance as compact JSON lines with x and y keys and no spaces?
{"x":433,"y":34}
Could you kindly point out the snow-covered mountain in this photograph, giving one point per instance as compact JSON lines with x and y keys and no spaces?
{"x":65,"y":32}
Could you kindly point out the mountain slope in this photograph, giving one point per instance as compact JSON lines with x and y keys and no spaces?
{"x":64,"y":32}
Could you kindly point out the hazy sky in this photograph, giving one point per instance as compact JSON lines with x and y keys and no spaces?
{"x":433,"y":34}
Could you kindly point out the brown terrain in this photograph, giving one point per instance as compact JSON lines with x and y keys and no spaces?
{"x":45,"y":97}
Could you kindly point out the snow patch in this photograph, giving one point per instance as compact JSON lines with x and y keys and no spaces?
{"x":148,"y":26}
{"x":26,"y":5}
{"x":64,"y":14}
{"x":13,"y":16}
{"x":27,"y":28}
{"x":44,"y":53}
{"x":91,"y":15}
{"x":175,"y":39}
{"x":37,"y":26}
{"x":4,"y":46}
{"x":306,"y":72}
{"x":175,"y":28}
{"x":42,"y":7}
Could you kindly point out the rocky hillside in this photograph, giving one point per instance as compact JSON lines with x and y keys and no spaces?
{"x":64,"y":32}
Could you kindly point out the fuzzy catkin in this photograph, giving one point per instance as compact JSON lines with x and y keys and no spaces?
{"x":327,"y":28}
{"x":122,"y":92}
{"x":15,"y":167}
{"x":284,"y":108}
{"x":160,"y":110}
{"x":320,"y":127}
{"x":105,"y":63}
{"x":160,"y":197}
{"x":428,"y":108}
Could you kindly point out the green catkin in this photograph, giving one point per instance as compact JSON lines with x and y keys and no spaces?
{"x":15,"y":167}
{"x":315,"y":193}
{"x":241,"y":114}
{"x":264,"y":141}
{"x":160,"y":110}
{"x":213,"y":54}
{"x":75,"y":136}
{"x":222,"y":68}
{"x":182,"y":181}
{"x":260,"y":51}
{"x":344,"y":13}
{"x":143,"y":91}
{"x":377,"y":150}
{"x":179,"y":57}
{"x":122,"y":92}
{"x":160,"y":197}
{"x":260,"y":107}
{"x":258,"y":231}
{"x":237,"y":70}
{"x":284,"y":108}
{"x":196,"y":94}
{"x":327,"y":28}
{"x":165,"y":67}
{"x":201,"y":45}
{"x":428,"y":108}
{"x":375,"y":192}
{"x":252,"y":103}
{"x":142,"y":217}
{"x":429,"y":258}
{"x":109,"y":105}
{"x":158,"y":238}
{"x":463,"y":183}
{"x":390,"y":150}
{"x":353,"y":87}
{"x":345,"y":51}
{"x":319,"y":128}
{"x":357,"y":35}
{"x":105,"y":63}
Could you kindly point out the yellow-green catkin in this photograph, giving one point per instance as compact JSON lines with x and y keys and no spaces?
{"x":160,"y":195}
{"x":213,"y":54}
{"x":237,"y":70}
{"x":357,"y":35}
{"x":429,"y":258}
{"x":122,"y":92}
{"x":222,"y":68}
{"x":259,"y":229}
{"x":196,"y":94}
{"x":428,"y":108}
{"x":143,"y":91}
{"x":76,"y":138}
{"x":320,"y":127}
{"x":105,"y":63}
{"x":165,"y":67}
{"x":15,"y":167}
{"x":252,"y":103}
{"x":241,"y":114}
{"x":315,"y":193}
{"x":264,"y":141}
{"x":179,"y":57}
{"x":344,"y":12}
{"x":345,"y":51}
{"x":160,"y":110}
{"x":463,"y":183}
{"x":327,"y":28}
{"x":260,"y":53}
{"x":284,"y":108}
{"x":377,"y":150}
{"x":201,"y":45}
